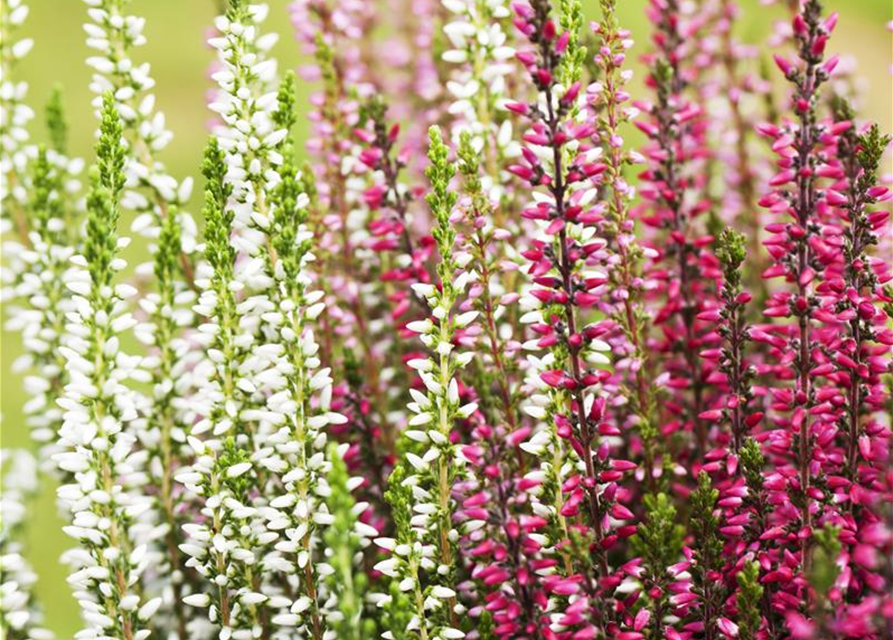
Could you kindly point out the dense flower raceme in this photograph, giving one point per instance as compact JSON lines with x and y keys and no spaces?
{"x":513,"y":379}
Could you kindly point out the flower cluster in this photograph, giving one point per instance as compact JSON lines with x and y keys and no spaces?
{"x":538,"y":383}
{"x":19,"y":612}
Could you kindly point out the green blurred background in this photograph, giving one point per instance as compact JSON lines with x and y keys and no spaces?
{"x":175,"y":31}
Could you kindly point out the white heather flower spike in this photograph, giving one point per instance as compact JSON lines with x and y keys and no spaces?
{"x":20,"y":615}
{"x":428,"y":480}
{"x":248,"y":136}
{"x":265,"y":393}
{"x":156,"y":199}
{"x":482,"y":59}
{"x":299,"y":406}
{"x":107,"y":496}
{"x":152,"y":193}
{"x":273,"y":234}
{"x":35,"y":280}
{"x":224,"y":547}
{"x":15,"y":152}
{"x":34,"y":238}
{"x":163,"y":433}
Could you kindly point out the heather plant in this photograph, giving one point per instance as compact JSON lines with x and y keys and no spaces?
{"x":483,"y":365}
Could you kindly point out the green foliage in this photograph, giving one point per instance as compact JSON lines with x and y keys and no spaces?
{"x":823,"y":568}
{"x":374,"y":109}
{"x":237,"y":11}
{"x":469,"y":163}
{"x":333,"y":86}
{"x":285,"y":116}
{"x":484,"y":626}
{"x":750,"y":592}
{"x":221,"y":256}
{"x":398,"y":613}
{"x":751,"y":460}
{"x":664,"y":76}
{"x":106,"y":182}
{"x":308,"y":184}
{"x":704,"y":525}
{"x":399,"y":610}
{"x":57,"y":124}
{"x":707,"y":551}
{"x":399,"y":497}
{"x":442,"y":199}
{"x":110,"y":151}
{"x":230,"y":455}
{"x":44,"y":206}
{"x":325,"y":58}
{"x":344,"y":553}
{"x":658,"y":539}
{"x":289,"y":217}
{"x":609,"y":9}
{"x":167,"y":256}
{"x":218,"y":221}
{"x":872,"y":145}
{"x":571,"y":65}
{"x":888,"y":306}
{"x":440,"y":172}
{"x":731,"y":250}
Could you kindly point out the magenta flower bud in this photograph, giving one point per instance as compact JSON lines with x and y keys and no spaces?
{"x":606,"y":429}
{"x":571,"y":95}
{"x":525,"y":173}
{"x":767,"y":129}
{"x":520,"y":108}
{"x":364,"y":136}
{"x":373,"y":196}
{"x":527,"y":58}
{"x":554,"y":378}
{"x":561,"y":44}
{"x":727,"y":627}
{"x":548,"y":31}
{"x":522,"y":10}
{"x":836,"y":198}
{"x":647,"y":128}
{"x":878,"y":219}
{"x":586,"y":300}
{"x":371,"y":157}
{"x":783,"y":64}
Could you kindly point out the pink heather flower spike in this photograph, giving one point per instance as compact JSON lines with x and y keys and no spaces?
{"x":560,"y":158}
{"x":671,"y":205}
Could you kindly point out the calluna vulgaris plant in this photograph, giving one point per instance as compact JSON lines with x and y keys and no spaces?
{"x":521,"y":378}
